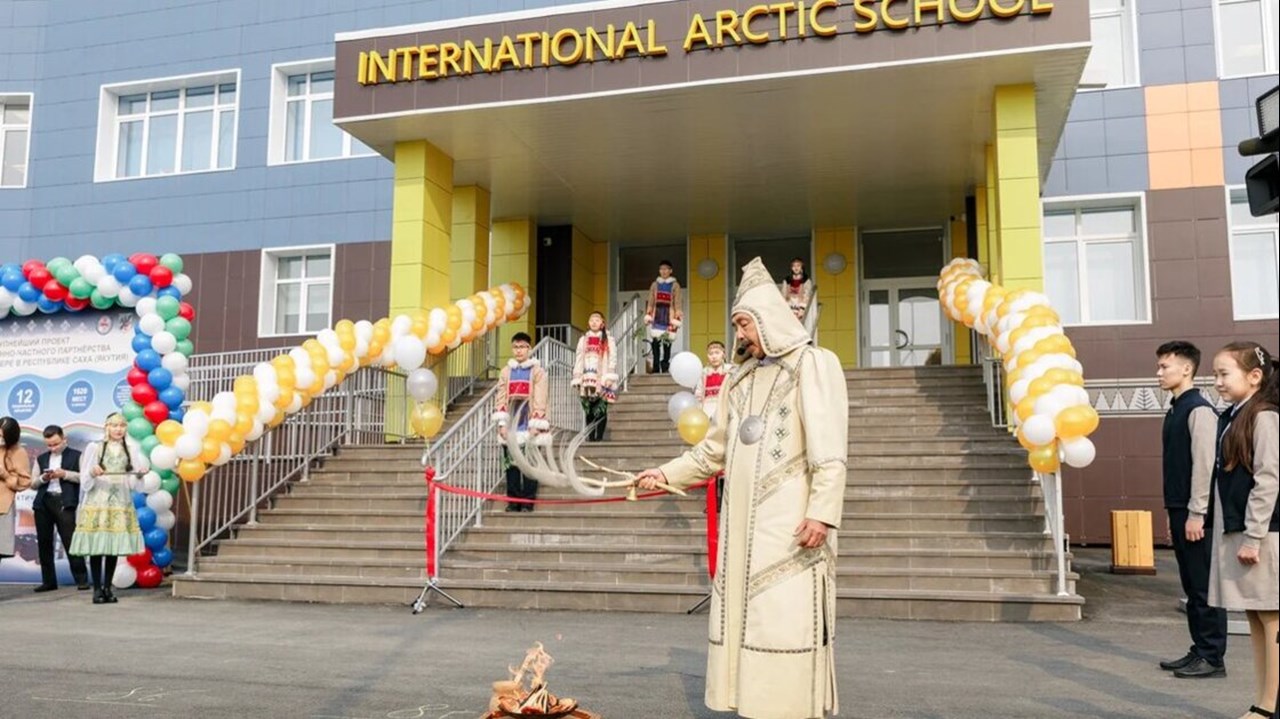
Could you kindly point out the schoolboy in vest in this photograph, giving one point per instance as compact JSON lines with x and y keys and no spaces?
{"x":1190,"y":435}
{"x":522,"y":400}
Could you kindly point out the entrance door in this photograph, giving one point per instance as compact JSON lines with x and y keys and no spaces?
{"x":904,"y":323}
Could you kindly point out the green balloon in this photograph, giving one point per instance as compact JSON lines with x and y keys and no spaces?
{"x":168,"y":308}
{"x":165,"y":474}
{"x":81,"y":288}
{"x":56,"y":264}
{"x":99,"y":302}
{"x":140,"y":428}
{"x":185,"y":347}
{"x":171,"y":485}
{"x":132,"y":410}
{"x":67,"y":275}
{"x":149,"y":443}
{"x":172,"y":261}
{"x":179,"y":327}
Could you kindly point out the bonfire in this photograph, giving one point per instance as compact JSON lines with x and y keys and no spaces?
{"x":514,"y":699}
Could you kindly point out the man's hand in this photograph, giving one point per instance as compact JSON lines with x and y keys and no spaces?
{"x":1247,"y":556}
{"x":502,"y":433}
{"x":1195,"y":529}
{"x":96,"y":471}
{"x":651,"y":478}
{"x":811,"y":533}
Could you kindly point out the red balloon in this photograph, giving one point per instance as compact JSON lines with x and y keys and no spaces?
{"x":161,"y":276}
{"x":55,"y":291}
{"x":156,"y":411}
{"x":75,"y":304}
{"x":31,"y":266}
{"x":39,"y":277}
{"x":145,"y":263}
{"x":144,"y":394}
{"x":150,"y":577}
{"x":136,"y":376}
{"x":141,"y":560}
{"x":186,"y":311}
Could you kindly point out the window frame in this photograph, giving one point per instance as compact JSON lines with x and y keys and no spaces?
{"x":108,"y":140}
{"x":6,"y":98}
{"x":278,"y":114}
{"x":1232,"y":192}
{"x":268,"y":285}
{"x":1269,"y":33}
{"x":1130,"y":15}
{"x":1078,"y":203}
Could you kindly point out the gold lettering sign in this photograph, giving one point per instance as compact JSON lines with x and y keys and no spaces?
{"x":758,"y":25}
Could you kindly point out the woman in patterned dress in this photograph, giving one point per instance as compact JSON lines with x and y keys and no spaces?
{"x":107,"y":525}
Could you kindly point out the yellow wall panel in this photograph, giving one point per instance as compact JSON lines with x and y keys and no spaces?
{"x":421,"y":227}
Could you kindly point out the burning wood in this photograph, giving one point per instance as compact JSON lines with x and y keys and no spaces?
{"x":513,"y":699}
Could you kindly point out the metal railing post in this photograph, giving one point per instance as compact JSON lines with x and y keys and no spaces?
{"x":1059,"y":541}
{"x":192,"y":521}
{"x":254,"y":470}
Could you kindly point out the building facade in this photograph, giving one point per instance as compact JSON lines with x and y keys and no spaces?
{"x":348,"y":159}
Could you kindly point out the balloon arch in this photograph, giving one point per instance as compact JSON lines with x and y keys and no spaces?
{"x":184,"y":438}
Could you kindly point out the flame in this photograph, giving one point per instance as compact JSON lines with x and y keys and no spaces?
{"x":536,"y":662}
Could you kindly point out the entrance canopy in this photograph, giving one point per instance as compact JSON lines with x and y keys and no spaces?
{"x":688,"y":131}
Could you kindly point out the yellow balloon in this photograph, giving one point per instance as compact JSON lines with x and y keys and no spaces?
{"x":1044,"y":459}
{"x":190,"y":470}
{"x":1025,"y":408}
{"x":1056,"y":344}
{"x":205,"y":407}
{"x":244,"y":424}
{"x":210,"y":451}
{"x":219,"y":430}
{"x":168,"y":432}
{"x":693,"y":425}
{"x":1022,"y":440}
{"x":1078,"y":421}
{"x":426,"y":419}
{"x":1058,"y":376}
{"x":236,"y":441}
{"x":1026,"y":358}
{"x":1040,"y":387}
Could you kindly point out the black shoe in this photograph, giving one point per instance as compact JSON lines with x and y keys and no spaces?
{"x":45,"y":588}
{"x":109,"y":596}
{"x":1200,"y":668}
{"x":1264,"y":713}
{"x":98,"y":597}
{"x":527,"y":508}
{"x":513,"y":508}
{"x":84,"y":586}
{"x":1175,"y":664}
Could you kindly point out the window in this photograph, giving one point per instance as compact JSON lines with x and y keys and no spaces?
{"x":302,"y":126}
{"x":1247,"y":36}
{"x":1255,"y":261}
{"x":167,"y":127}
{"x":15,"y":139}
{"x":1113,"y":62}
{"x":1095,"y":267}
{"x":297,"y":290}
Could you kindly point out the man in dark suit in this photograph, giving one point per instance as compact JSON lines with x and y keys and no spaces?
{"x":56,"y":479}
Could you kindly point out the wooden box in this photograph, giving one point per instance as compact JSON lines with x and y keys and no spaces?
{"x":1132,"y":543}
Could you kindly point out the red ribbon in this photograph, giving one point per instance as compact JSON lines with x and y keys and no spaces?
{"x":429,"y":526}
{"x":713,"y":526}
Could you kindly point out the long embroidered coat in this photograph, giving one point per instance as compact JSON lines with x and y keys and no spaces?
{"x":522,"y":388}
{"x":663,"y":314}
{"x":773,"y":603}
{"x":595,"y":366}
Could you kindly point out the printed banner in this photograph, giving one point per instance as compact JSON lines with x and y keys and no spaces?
{"x":65,"y":369}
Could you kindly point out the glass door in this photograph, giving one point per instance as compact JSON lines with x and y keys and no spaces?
{"x":904,"y":325}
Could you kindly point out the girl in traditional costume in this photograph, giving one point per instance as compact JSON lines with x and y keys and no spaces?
{"x":106,"y":524}
{"x":797,"y":289}
{"x":663,"y":316}
{"x":595,"y":374}
{"x":713,"y":376}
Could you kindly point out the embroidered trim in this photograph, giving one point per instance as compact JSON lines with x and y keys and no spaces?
{"x":800,"y":561}
{"x":777,"y":477}
{"x":531,"y":362}
{"x":762,"y":650}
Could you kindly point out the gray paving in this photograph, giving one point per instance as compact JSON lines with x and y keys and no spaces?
{"x":152,"y":656}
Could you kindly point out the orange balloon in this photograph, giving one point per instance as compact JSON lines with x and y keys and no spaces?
{"x":1044,"y":459}
{"x":448,"y":336}
{"x":438,"y":349}
{"x":478,"y":325}
{"x":419,"y":328}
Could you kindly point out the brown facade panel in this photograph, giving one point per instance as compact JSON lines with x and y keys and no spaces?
{"x":226,"y":289}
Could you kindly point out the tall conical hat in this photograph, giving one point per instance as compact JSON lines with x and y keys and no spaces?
{"x":759,"y":297}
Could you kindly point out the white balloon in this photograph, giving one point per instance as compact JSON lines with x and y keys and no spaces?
{"x":109,"y":287}
{"x":256,"y":432}
{"x":188,"y":446}
{"x":175,"y":362}
{"x":456,"y":343}
{"x":163,"y":342}
{"x":94,"y":273}
{"x":268,"y":392}
{"x":181,"y":381}
{"x":337,"y":355}
{"x":263,"y":372}
{"x":1049,"y":406}
{"x":23,"y":308}
{"x":163,"y":457}
{"x":160,"y":501}
{"x":686,"y":369}
{"x":266,"y":410}
{"x":1034,"y":335}
{"x":1002,"y":343}
{"x":294,"y":405}
{"x":1039,"y":429}
{"x":126,"y":576}
{"x":327,"y":336}
{"x":422,"y":384}
{"x":330,"y":379}
{"x":150,"y":482}
{"x":183,"y":283}
{"x":126,"y":297}
{"x":362,"y":348}
{"x":224,"y":404}
{"x":400,"y":326}
{"x":1070,"y":395}
{"x":196,"y":423}
{"x":224,"y":455}
{"x":364,"y":330}
{"x":1079,"y":452}
{"x":146,"y":306}
{"x":679,"y":402}
{"x":410,"y":352}
{"x":438,"y":320}
{"x":1018,"y":391}
{"x":304,"y":376}
{"x":165,"y":521}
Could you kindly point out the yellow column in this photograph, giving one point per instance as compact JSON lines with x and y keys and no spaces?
{"x":470,"y":241}
{"x":1017,"y":174}
{"x":708,"y":312}
{"x":600,"y":287}
{"x":992,"y":244}
{"x":421,"y":223}
{"x":838,"y":293}
{"x":960,"y":248}
{"x":584,"y":280}
{"x":984,"y":239}
{"x":513,"y":258}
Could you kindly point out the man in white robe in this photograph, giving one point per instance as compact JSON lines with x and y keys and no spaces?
{"x":781,"y":435}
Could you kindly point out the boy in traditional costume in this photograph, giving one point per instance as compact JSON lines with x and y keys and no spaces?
{"x":595,"y":374}
{"x":663,"y":316}
{"x":522,"y":400}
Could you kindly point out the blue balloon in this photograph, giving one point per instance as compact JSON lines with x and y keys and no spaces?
{"x":12,"y":280}
{"x":141,"y":341}
{"x":172,"y":396}
{"x":28,"y":292}
{"x":47,"y":305}
{"x":146,"y":519}
{"x":155,"y":538}
{"x":140,"y":285}
{"x":148,"y":360}
{"x":160,"y":378}
{"x":139,"y":500}
{"x":124,"y":272}
{"x":162,"y":557}
{"x":176,"y":414}
{"x":110,"y":261}
{"x":169,"y":291}
{"x":10,"y":267}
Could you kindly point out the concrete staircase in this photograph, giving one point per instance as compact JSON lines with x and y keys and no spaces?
{"x":941,"y":522}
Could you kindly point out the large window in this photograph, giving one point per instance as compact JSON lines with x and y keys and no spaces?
{"x":302,"y":126}
{"x":1247,"y":36}
{"x":15,"y":139}
{"x":1113,"y":61}
{"x":297,"y":290}
{"x":1095,"y":266}
{"x":168,"y":127}
{"x":1255,"y":261}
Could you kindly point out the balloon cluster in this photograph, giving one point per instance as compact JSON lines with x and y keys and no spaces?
{"x":691,"y":422}
{"x":1043,"y":380}
{"x":115,"y":280}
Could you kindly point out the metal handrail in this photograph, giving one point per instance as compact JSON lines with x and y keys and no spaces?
{"x":566,"y":334}
{"x":981,"y":353}
{"x":811,"y":313}
{"x":627,"y":330}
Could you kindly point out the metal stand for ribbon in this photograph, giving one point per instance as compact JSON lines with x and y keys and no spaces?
{"x":431,"y":531}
